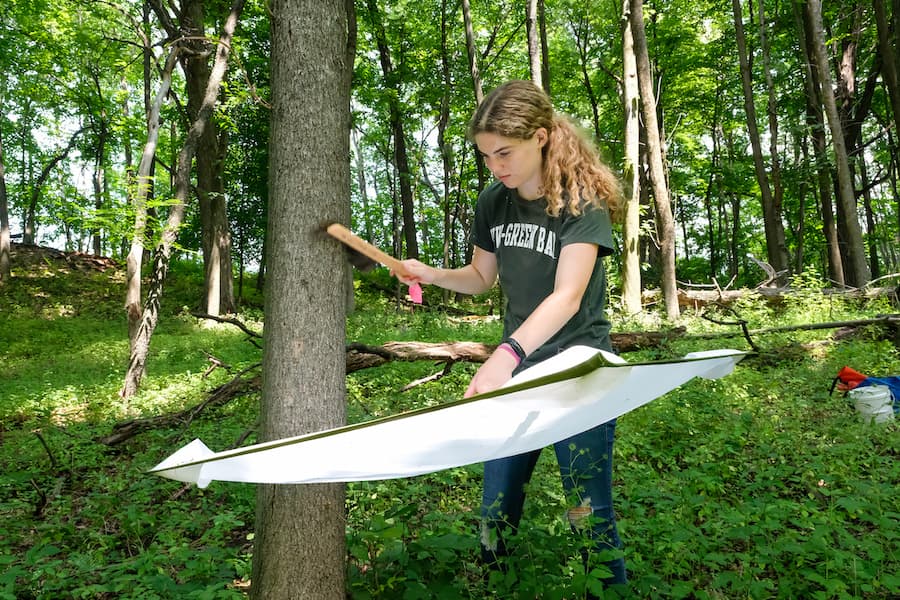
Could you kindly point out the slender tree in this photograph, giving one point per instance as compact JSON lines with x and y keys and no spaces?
{"x":888,"y":50}
{"x":777,"y":208}
{"x":631,"y":258}
{"x":815,"y":122}
{"x":140,"y":345}
{"x":856,"y":268}
{"x":139,"y":196}
{"x":186,"y":27}
{"x":776,"y":247}
{"x":28,"y":237}
{"x":401,"y":157}
{"x":534,"y":44}
{"x":665,"y":220}
{"x":299,"y":545}
{"x":5,"y":269}
{"x":472,"y":53}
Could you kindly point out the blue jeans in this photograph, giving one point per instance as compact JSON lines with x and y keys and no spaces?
{"x":585,"y":464}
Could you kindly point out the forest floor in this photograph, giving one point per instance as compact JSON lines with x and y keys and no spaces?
{"x":759,"y":485}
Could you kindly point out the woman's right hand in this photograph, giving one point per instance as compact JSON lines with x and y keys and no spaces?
{"x":415,"y":272}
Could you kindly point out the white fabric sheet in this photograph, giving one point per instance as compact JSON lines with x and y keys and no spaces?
{"x":556,"y":399}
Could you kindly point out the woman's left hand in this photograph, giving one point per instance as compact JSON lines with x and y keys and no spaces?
{"x":496,"y":371}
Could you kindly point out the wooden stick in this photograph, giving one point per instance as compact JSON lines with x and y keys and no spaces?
{"x":341,"y":233}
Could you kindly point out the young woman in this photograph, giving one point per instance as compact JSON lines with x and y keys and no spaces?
{"x":543,"y":228}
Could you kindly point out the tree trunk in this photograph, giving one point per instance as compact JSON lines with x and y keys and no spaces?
{"x":870,"y":220}
{"x":581,"y":27}
{"x":887,"y":48}
{"x":665,"y":220}
{"x":815,"y":121}
{"x":99,"y":176}
{"x":299,"y":546}
{"x":477,"y":89}
{"x":188,"y":27}
{"x":135,"y":258}
{"x":472,"y":53}
{"x":857,"y":269}
{"x":5,"y":266}
{"x":401,"y":156}
{"x":777,"y":208}
{"x":445,"y":148}
{"x":735,"y":203}
{"x":545,"y":45}
{"x":534,"y":45}
{"x":216,"y":234}
{"x":631,"y":224}
{"x":714,"y":173}
{"x":140,"y":345}
{"x":776,"y":249}
{"x":29,"y":233}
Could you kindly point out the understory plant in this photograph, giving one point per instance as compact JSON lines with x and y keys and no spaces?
{"x":761,"y":484}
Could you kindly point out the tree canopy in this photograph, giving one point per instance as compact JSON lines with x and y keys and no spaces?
{"x":756,"y":165}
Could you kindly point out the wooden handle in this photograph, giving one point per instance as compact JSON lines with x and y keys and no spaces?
{"x":341,"y":233}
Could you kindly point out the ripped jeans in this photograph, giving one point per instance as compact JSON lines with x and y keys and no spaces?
{"x":585,"y":464}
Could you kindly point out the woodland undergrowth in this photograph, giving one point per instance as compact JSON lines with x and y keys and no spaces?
{"x":758,"y":485}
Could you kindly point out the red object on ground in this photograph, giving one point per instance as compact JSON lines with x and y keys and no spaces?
{"x":848,"y":378}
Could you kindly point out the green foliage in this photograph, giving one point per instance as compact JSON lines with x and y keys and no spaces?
{"x":758,"y":485}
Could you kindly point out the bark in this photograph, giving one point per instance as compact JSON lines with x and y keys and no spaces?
{"x":363,"y":356}
{"x":887,"y":49}
{"x":545,"y":45}
{"x":776,"y":248}
{"x":580,"y":31}
{"x":857,"y":270}
{"x":870,"y":220}
{"x":150,"y":313}
{"x":445,"y":148}
{"x":712,"y":230}
{"x":99,"y":176}
{"x":210,"y":163}
{"x":472,"y":53}
{"x":665,"y":220}
{"x":141,"y":192}
{"x":299,"y":544}
{"x":189,"y":31}
{"x":477,"y":89}
{"x":815,"y":122}
{"x":631,"y":259}
{"x":777,"y":208}
{"x":534,"y":53}
{"x":5,"y":262}
{"x":401,"y":156}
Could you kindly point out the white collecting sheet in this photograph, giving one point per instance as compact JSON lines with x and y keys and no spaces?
{"x":574,"y":391}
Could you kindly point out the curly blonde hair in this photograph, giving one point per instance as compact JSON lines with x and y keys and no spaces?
{"x":573,"y":173}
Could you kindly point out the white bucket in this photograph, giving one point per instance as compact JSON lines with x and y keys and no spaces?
{"x":874,"y":403}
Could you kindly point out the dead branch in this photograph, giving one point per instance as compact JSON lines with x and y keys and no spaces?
{"x":220,"y":396}
{"x":253,"y":335}
{"x":448,"y":366}
{"x":46,"y":449}
{"x":892,"y":321}
{"x":214,"y":363}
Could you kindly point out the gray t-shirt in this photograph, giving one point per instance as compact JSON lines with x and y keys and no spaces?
{"x":526,"y":242}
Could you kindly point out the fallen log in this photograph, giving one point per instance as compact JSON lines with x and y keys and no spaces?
{"x":362,"y":356}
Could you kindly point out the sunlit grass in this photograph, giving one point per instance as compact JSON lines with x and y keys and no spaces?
{"x":760,"y":484}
